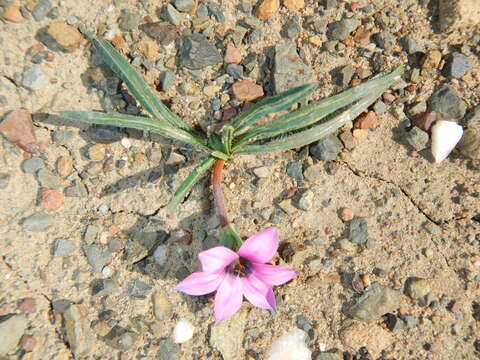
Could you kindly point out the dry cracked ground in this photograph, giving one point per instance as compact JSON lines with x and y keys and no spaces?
{"x":386,"y":242}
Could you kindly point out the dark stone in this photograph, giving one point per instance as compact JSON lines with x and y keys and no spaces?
{"x":358,"y":230}
{"x":339,"y":30}
{"x":138,"y":289}
{"x":385,"y":39}
{"x":327,"y":148}
{"x":197,"y":52}
{"x":121,"y":338}
{"x":216,"y":11}
{"x":105,"y":134}
{"x":234,"y":70}
{"x":295,"y":170}
{"x":164,"y":32}
{"x":456,"y":65}
{"x":409,"y":45}
{"x":168,"y":349}
{"x":447,"y":104}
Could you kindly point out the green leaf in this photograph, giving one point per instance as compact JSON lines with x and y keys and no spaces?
{"x":189,"y":182}
{"x":227,"y":137}
{"x":271,"y":105}
{"x":136,"y":84}
{"x":135,"y":122}
{"x":312,"y":113}
{"x":314,"y":133}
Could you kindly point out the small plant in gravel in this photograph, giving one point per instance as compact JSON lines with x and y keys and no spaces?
{"x":236,"y":269}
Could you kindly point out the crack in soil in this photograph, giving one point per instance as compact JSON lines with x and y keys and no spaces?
{"x":359,"y":174}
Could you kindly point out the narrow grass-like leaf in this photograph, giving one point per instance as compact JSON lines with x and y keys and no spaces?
{"x":271,"y":105}
{"x":189,"y":182}
{"x":135,"y":122}
{"x":139,"y":88}
{"x":312,"y":113}
{"x":227,"y":138}
{"x":315,"y":133}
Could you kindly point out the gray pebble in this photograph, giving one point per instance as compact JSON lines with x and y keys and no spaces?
{"x":456,"y":65}
{"x":48,"y":179}
{"x":105,"y":134}
{"x":384,"y":40}
{"x":197,"y":52}
{"x":167,"y":80}
{"x":245,"y":7}
{"x":410,"y":45}
{"x":292,"y":29}
{"x":327,"y":148}
{"x":339,"y":30}
{"x":375,"y":302}
{"x":120,"y":338}
{"x":289,"y":69}
{"x":295,"y":170}
{"x":314,"y":173}
{"x":358,"y":230}
{"x":160,"y":255}
{"x":345,"y":75}
{"x":76,"y":190}
{"x":138,"y":289}
{"x":447,"y":104}
{"x":12,"y":328}
{"x":329,"y":356}
{"x":379,"y":107}
{"x":216,"y":11}
{"x":102,"y":287}
{"x":172,"y":15}
{"x":202,"y":10}
{"x":63,"y":247}
{"x":39,"y":221}
{"x":129,"y":20}
{"x":184,"y":5}
{"x":417,"y":138}
{"x":234,"y":70}
{"x":40,"y":10}
{"x":97,"y":258}
{"x":4,"y":180}
{"x":39,"y":57}
{"x":32,"y":165}
{"x":34,"y":78}
{"x":305,"y":202}
{"x":91,"y":234}
{"x":168,"y":350}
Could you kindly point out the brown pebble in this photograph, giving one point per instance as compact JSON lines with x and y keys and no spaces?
{"x":456,"y":307}
{"x":181,"y":236}
{"x":27,"y":343}
{"x":247,"y":90}
{"x":388,"y":98}
{"x":366,"y":121}
{"x":232,"y":55}
{"x":346,"y":214}
{"x":51,"y":199}
{"x":96,"y":152}
{"x":347,"y":139}
{"x":359,"y":133}
{"x":315,"y":40}
{"x":64,"y":165}
{"x":13,"y":14}
{"x":28,"y":305}
{"x":424,"y":120}
{"x":228,"y":113}
{"x":362,"y":35}
{"x":432,"y":60}
{"x":294,"y":5}
{"x":68,"y":37}
{"x":118,"y":42}
{"x":267,"y":9}
{"x":164,"y":32}
{"x":357,"y":283}
{"x":148,"y":48}
{"x":17,"y":127}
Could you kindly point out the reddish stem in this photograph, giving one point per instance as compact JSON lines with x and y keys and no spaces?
{"x":219,"y":200}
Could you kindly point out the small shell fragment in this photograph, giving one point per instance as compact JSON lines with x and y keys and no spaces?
{"x":445,"y":135}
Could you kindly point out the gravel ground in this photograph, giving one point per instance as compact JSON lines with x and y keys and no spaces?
{"x":386,"y":242}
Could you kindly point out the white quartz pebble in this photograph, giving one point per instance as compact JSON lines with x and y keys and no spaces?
{"x":445,"y":135}
{"x":183,"y":331}
{"x":290,"y":346}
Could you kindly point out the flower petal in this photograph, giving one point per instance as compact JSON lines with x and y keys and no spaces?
{"x":273,"y":275}
{"x":229,"y":297}
{"x":200,"y":283}
{"x":258,"y":293}
{"x":260,"y":247}
{"x":216,"y":259}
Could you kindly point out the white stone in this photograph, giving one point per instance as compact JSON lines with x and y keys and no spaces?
{"x":445,"y":135}
{"x":290,"y":346}
{"x":183,"y":331}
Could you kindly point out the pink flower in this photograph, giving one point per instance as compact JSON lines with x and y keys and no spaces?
{"x":237,"y":274}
